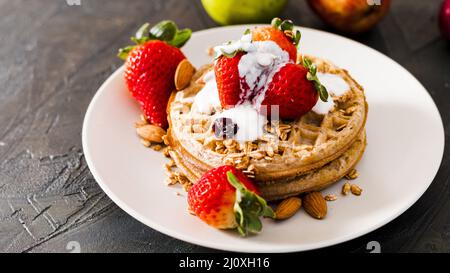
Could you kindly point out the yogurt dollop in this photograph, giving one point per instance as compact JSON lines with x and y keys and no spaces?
{"x":336,"y":86}
{"x":207,"y":99}
{"x":243,"y":44}
{"x":249,"y":121}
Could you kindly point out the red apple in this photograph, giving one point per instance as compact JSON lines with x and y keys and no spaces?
{"x":351,"y":16}
{"x":444,"y":19}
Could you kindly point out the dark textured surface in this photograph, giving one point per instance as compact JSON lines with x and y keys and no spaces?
{"x":54,"y":57}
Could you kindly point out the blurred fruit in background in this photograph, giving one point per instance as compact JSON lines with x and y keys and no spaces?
{"x":230,"y":12}
{"x":444,"y":19}
{"x":351,"y":16}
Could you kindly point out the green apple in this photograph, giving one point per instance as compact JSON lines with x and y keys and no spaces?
{"x":230,"y":12}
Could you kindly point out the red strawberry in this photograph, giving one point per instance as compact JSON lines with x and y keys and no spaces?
{"x":227,"y":78}
{"x":225,"y":198}
{"x":295,"y":89}
{"x":150,"y":67}
{"x":281,"y":32}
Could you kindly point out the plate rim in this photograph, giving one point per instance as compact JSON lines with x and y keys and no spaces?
{"x":242,"y":248}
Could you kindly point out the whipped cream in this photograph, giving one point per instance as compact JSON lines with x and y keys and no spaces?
{"x":249,"y":121}
{"x":207,"y":100}
{"x":243,"y":44}
{"x":334,"y":83}
{"x":336,"y":86}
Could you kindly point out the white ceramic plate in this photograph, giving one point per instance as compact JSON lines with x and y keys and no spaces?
{"x":405,"y":148}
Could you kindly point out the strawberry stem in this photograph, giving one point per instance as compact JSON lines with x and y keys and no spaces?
{"x":287,"y":27}
{"x":248,"y":207}
{"x":312,"y":76}
{"x":166,"y":31}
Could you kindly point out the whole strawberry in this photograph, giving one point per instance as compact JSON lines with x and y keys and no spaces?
{"x":282,"y":33}
{"x":226,"y":199}
{"x":295,"y":89}
{"x":150,"y":67}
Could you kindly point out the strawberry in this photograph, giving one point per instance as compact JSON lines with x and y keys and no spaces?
{"x":227,"y":78}
{"x":281,"y":32}
{"x":150,"y":67}
{"x":226,"y":199}
{"x":295,"y":89}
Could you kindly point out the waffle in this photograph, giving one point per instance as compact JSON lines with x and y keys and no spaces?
{"x":291,"y":157}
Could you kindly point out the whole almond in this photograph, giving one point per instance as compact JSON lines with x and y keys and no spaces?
{"x":151,"y":133}
{"x":183,"y":74}
{"x":315,"y":205}
{"x":287,"y":208}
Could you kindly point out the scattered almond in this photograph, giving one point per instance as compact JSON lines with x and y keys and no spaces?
{"x":146,"y":143}
{"x":183,"y":74}
{"x":315,"y":205}
{"x":287,"y":208}
{"x":355,"y":189}
{"x":210,"y":51}
{"x":330,"y":197}
{"x":346,"y":188}
{"x":151,"y":133}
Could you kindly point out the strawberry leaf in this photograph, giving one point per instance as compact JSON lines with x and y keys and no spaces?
{"x":123,"y":52}
{"x":312,"y":76}
{"x":276,"y":22}
{"x":297,"y":37}
{"x":248,"y":208}
{"x":166,"y":31}
{"x":287,"y":25}
{"x":181,"y":38}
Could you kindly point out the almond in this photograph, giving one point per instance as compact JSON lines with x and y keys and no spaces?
{"x":315,"y":205}
{"x":151,"y":133}
{"x":183,"y":74}
{"x":287,"y":208}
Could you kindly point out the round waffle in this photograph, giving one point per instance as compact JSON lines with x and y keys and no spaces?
{"x":289,"y":151}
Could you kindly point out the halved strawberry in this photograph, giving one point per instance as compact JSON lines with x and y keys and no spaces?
{"x":227,"y":78}
{"x":295,"y":89}
{"x":226,"y":199}
{"x":150,"y":67}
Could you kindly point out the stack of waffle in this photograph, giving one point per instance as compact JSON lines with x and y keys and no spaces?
{"x":292,"y":157}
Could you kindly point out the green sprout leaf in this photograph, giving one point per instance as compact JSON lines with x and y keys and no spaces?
{"x":164,"y":30}
{"x":248,"y":208}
